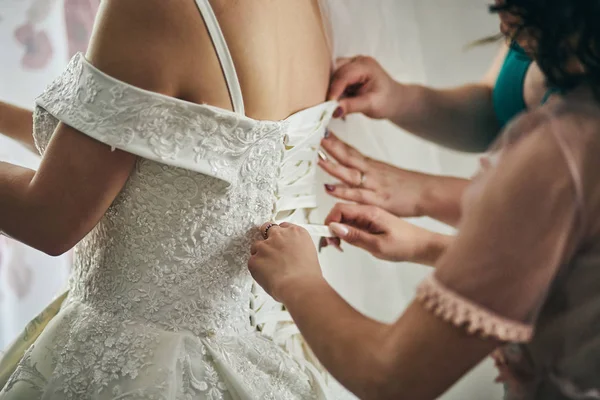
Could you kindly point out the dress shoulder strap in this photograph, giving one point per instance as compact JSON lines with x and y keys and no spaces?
{"x":227,"y":65}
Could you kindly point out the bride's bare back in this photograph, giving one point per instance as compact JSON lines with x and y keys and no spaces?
{"x":282,"y":59}
{"x":279,"y":48}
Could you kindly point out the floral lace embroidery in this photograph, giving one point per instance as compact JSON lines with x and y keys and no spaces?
{"x":158,"y":127}
{"x":461,"y":312}
{"x":166,"y":265}
{"x":94,"y":356}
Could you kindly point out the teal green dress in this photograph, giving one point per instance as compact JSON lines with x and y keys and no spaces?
{"x":507,"y":96}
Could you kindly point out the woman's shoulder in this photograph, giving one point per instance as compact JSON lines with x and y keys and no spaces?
{"x":561,"y":140}
{"x":573,"y":123}
{"x":142,"y":42}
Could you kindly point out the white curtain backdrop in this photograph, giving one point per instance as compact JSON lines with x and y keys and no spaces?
{"x":420,"y":41}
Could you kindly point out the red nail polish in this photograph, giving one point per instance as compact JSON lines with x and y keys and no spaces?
{"x":322,"y":243}
{"x":329,"y":188}
{"x":338,"y":112}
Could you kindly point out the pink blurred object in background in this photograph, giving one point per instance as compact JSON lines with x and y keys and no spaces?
{"x":38,"y":49}
{"x":79,"y":22}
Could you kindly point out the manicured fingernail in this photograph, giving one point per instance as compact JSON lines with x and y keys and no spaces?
{"x":338,"y":112}
{"x":329,"y":188}
{"x":327,"y":133}
{"x":322,"y":155}
{"x":338,"y":229}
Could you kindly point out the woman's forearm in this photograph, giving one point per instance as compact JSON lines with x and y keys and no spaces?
{"x":325,"y":318}
{"x":379,"y":361}
{"x":434,"y":247}
{"x":441,"y":198}
{"x":17,"y":124}
{"x":460,"y":118}
{"x":27,"y":217}
{"x":14,"y":206}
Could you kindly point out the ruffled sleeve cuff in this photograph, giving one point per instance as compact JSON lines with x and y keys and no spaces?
{"x":461,"y":312}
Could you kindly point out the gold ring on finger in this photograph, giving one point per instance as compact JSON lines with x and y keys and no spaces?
{"x":363,"y":178}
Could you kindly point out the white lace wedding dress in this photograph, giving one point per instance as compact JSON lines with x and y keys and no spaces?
{"x":159,"y":302}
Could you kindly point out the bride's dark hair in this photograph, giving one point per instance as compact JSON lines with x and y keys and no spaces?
{"x":562,"y":30}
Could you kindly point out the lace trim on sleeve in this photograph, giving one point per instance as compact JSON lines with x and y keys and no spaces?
{"x":461,"y":312}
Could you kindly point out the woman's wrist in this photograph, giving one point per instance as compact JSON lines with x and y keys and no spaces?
{"x":440,"y":198}
{"x":434,"y":245}
{"x":406,"y":105}
{"x":291,"y":290}
{"x":429,"y":198}
{"x":395,"y":104}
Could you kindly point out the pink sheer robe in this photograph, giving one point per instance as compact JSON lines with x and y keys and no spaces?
{"x":525,"y":266}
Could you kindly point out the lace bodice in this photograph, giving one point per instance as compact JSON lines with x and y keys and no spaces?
{"x":172,"y":248}
{"x":161,"y":305}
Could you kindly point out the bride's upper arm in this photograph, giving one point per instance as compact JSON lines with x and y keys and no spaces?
{"x":133,"y":41}
{"x":141,"y":42}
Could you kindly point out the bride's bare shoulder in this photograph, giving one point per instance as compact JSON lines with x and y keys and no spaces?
{"x":140,"y":41}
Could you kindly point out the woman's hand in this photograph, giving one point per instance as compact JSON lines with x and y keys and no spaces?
{"x":286,"y":256}
{"x":384,"y":235}
{"x":361,"y":85}
{"x":401,"y":192}
{"x":367,"y":181}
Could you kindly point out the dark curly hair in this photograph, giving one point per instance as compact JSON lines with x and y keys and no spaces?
{"x":562,"y":30}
